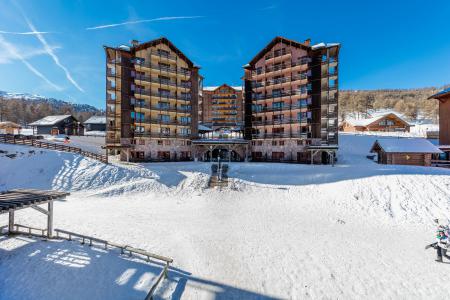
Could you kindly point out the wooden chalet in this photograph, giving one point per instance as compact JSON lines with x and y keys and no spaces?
{"x":404,"y":151}
{"x":95,"y":123}
{"x":61,"y":124}
{"x":9,"y":128}
{"x":380,"y":122}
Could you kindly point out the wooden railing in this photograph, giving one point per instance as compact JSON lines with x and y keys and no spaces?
{"x":123,"y":249}
{"x":10,"y":139}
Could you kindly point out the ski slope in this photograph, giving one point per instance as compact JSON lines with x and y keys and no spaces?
{"x":356,"y":230}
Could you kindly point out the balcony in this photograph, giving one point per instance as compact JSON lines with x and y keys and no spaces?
{"x":155,"y":80}
{"x":161,"y":135}
{"x":280,"y":122}
{"x":281,"y":108}
{"x":303,"y":135}
{"x":162,"y":68}
{"x":161,"y":121}
{"x":301,"y":62}
{"x":148,"y":92}
{"x":278,"y":81}
{"x":281,"y":95}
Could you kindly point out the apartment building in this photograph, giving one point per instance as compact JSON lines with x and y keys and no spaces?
{"x":222,"y":106}
{"x":152,"y":95}
{"x":291,"y":102}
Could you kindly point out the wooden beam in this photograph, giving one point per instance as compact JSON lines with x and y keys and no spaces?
{"x":50,"y":220}
{"x":40,"y":209}
{"x":11,"y":221}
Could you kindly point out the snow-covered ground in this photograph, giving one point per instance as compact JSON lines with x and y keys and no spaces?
{"x":353,"y":231}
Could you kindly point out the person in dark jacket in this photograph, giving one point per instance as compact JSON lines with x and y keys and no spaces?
{"x":442,"y":245}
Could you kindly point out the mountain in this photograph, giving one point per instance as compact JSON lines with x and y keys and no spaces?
{"x":412,"y":103}
{"x":24,"y":108}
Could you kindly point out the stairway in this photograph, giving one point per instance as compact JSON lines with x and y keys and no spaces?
{"x":219,"y":175}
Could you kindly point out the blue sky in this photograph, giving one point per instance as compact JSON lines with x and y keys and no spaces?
{"x":385,"y":44}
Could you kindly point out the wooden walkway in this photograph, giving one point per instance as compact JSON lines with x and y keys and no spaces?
{"x":33,"y":142}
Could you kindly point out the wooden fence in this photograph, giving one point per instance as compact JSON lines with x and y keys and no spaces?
{"x":123,"y":249}
{"x":32,"y":141}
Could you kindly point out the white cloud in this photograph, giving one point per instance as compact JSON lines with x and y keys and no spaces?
{"x":52,"y":54}
{"x":24,"y":33}
{"x":143,"y":21}
{"x":26,"y":52}
{"x":13,"y":52}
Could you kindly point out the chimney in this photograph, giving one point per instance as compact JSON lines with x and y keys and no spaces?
{"x":134,"y":43}
{"x":307,"y":42}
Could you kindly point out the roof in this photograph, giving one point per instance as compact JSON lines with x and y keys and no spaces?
{"x":204,"y":128}
{"x":213,"y":88}
{"x":96,"y":120}
{"x":374,"y":118}
{"x":9,"y":124}
{"x":444,"y":92}
{"x":50,"y":120}
{"x":18,"y":199}
{"x":272,"y":43}
{"x":405,"y":145}
{"x":324,"y":45}
{"x":161,"y":40}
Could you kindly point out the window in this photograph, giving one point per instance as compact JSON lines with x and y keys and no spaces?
{"x":166,"y":143}
{"x":277,"y":105}
{"x":185,"y":120}
{"x":274,"y":143}
{"x":253,"y":143}
{"x":185,"y":131}
{"x":188,"y":143}
{"x":160,"y":142}
{"x":164,"y":66}
{"x":164,"y":118}
{"x":163,"y":53}
{"x":165,"y":130}
{"x":141,"y":142}
{"x":277,"y":155}
{"x":164,"y":93}
{"x":185,"y":96}
{"x":133,"y":142}
{"x":139,"y":129}
{"x":163,"y":105}
{"x":278,"y":118}
{"x":281,"y":143}
{"x":258,"y":70}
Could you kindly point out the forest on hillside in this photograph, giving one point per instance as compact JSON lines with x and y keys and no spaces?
{"x":412,"y":103}
{"x":24,"y":111}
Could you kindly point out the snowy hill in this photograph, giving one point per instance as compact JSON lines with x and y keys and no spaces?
{"x":55,"y":103}
{"x":353,"y":231}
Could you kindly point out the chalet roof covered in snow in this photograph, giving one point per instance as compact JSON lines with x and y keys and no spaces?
{"x":50,"y":120}
{"x":96,"y":120}
{"x":440,"y":94}
{"x":403,"y":145}
{"x":374,"y":118}
{"x":8,"y":124}
{"x":204,"y":128}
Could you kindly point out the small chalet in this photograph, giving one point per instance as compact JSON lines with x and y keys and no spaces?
{"x":9,"y":128}
{"x":418,"y":152}
{"x":54,"y":125}
{"x":378,"y":122}
{"x":95,"y":123}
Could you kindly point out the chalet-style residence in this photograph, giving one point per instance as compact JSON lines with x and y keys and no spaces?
{"x":95,"y":123}
{"x":157,"y":110}
{"x":222,"y":106}
{"x":291,"y":102}
{"x":444,"y":124}
{"x":9,"y":128}
{"x":377,"y":122}
{"x":392,"y":151}
{"x":61,"y":124}
{"x":152,"y":94}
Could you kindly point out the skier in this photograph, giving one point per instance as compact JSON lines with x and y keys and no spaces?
{"x":441,"y":245}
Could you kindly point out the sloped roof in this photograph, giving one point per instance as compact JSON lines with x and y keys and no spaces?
{"x":213,"y":88}
{"x":161,"y":40}
{"x":405,"y":145}
{"x":50,"y":120}
{"x":204,"y":128}
{"x":8,"y":124}
{"x":445,"y":92}
{"x":96,"y":120}
{"x":374,"y":118}
{"x":272,"y":43}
